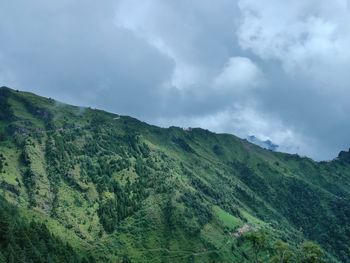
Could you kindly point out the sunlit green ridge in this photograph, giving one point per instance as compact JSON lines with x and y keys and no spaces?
{"x":119,"y":190}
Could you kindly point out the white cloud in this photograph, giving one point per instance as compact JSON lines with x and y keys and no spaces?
{"x":239,"y":74}
{"x":243,"y":121}
{"x":309,"y":38}
{"x":194,"y":35}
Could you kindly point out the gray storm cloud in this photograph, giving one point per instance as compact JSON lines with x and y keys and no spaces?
{"x":275,"y":69}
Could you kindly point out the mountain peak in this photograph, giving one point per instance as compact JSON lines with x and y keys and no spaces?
{"x":344,"y":156}
{"x":5,"y":88}
{"x":267,"y":144}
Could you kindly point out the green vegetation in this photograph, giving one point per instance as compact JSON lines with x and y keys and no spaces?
{"x":23,"y":241}
{"x":100,"y":187}
{"x":258,"y":248}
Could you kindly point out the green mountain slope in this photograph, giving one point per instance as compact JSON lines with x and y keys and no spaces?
{"x":120,"y":190}
{"x":23,"y":241}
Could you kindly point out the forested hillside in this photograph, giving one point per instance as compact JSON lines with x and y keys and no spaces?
{"x":84,"y":185}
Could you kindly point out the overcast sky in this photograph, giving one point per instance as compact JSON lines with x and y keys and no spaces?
{"x":276,"y":69}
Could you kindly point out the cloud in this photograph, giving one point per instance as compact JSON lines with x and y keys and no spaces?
{"x":274,"y":69}
{"x":73,"y":51}
{"x":239,"y":73}
{"x":198,"y":36}
{"x":309,"y":38}
{"x":303,"y":45}
{"x":244,"y":120}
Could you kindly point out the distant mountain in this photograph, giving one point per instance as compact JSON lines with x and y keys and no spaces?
{"x":84,"y":185}
{"x":264,"y":144}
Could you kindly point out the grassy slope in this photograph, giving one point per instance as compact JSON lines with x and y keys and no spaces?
{"x":185,"y":193}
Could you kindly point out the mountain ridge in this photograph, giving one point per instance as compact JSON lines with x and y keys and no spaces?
{"x":136,"y":192}
{"x":251,"y":138}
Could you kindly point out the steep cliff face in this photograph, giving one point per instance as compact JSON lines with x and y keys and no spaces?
{"x":127,"y":190}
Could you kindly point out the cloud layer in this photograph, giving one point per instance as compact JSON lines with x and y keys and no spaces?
{"x":274,"y":69}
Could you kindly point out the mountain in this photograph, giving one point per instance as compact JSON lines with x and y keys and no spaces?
{"x":84,"y":185}
{"x":264,"y":144}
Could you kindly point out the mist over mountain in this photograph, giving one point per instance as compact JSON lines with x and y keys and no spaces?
{"x":264,"y":144}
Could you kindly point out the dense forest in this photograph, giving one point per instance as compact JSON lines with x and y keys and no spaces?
{"x":23,"y":241}
{"x":84,"y":185}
